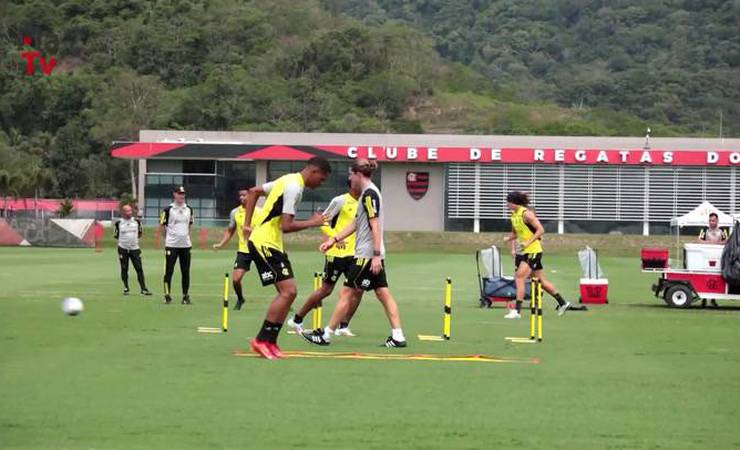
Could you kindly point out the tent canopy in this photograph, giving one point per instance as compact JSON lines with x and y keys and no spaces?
{"x":699,"y":217}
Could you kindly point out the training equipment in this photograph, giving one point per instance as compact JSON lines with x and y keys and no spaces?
{"x":594,"y":287}
{"x":224,"y":314}
{"x":446,"y":318}
{"x":494,"y":286}
{"x":316,"y":312}
{"x":72,"y":306}
{"x":535,"y":317}
{"x":387,"y":356}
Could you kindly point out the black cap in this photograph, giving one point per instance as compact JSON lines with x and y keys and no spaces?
{"x":179,"y":190}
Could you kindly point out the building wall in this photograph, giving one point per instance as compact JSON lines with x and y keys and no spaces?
{"x":403,"y":213}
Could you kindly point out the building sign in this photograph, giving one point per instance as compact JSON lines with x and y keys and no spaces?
{"x":488,"y":155}
{"x":417,"y":184}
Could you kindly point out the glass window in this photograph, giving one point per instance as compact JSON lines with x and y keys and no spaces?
{"x":198,"y":166}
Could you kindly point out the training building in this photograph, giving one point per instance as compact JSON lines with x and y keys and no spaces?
{"x":452,"y":182}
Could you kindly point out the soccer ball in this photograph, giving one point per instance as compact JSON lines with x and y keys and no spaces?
{"x":72,"y":306}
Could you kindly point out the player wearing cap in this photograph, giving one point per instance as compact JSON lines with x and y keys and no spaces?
{"x":176,"y":221}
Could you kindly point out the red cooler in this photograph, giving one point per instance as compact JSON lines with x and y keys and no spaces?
{"x":594,"y":290}
{"x":654,"y":257}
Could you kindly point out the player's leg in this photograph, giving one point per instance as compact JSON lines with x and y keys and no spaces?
{"x":185,"y":274}
{"x":138,"y":267}
{"x":396,"y":339}
{"x":241,"y":266}
{"x":314,"y":298}
{"x":323,"y":337}
{"x":170,"y":257}
{"x":522,"y":272}
{"x":563,"y":304}
{"x":355,"y":298}
{"x":123,"y":256}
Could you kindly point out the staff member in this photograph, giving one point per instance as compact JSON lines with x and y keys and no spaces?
{"x":713,"y":234}
{"x":127,"y":232}
{"x":176,"y":222}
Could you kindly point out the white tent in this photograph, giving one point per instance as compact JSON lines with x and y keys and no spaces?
{"x":699,"y":217}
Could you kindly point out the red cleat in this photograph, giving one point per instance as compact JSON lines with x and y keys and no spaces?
{"x":262,"y":348}
{"x":275,"y":350}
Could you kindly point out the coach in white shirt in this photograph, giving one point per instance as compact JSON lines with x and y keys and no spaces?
{"x":176,"y":221}
{"x":127,"y":232}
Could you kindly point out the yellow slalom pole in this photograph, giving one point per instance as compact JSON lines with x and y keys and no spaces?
{"x":225,"y":314}
{"x":447,"y":310}
{"x":314,"y":311}
{"x":319,"y":308}
{"x":539,"y":311}
{"x":534,"y":282}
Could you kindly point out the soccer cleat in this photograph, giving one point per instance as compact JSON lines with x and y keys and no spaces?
{"x":262,"y":348}
{"x":275,"y":349}
{"x":390,"y":342}
{"x":125,"y":291}
{"x":344,"y":332}
{"x":186,"y":300}
{"x":562,"y":308}
{"x":295,"y":326}
{"x":315,"y":337}
{"x":513,"y":315}
{"x":239,"y":303}
{"x":167,"y":299}
{"x":145,"y":292}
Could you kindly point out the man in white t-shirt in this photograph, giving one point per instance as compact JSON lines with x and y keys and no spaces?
{"x":176,"y":222}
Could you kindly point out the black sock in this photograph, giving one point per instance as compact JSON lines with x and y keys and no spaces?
{"x":297,"y":318}
{"x":519,"y":306}
{"x":275,"y":332}
{"x":343,"y":324}
{"x":269,"y":331}
{"x":559,"y":299}
{"x":238,"y":289}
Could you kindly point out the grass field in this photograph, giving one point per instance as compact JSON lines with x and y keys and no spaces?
{"x":133,"y":373}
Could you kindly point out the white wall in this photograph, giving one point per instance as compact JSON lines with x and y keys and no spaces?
{"x":403,"y":213}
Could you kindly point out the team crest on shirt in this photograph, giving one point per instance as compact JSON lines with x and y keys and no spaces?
{"x":285,"y":271}
{"x":417,"y":184}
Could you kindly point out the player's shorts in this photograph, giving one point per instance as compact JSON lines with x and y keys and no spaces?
{"x":272,"y":265}
{"x":360,"y":277}
{"x":335,"y":267}
{"x":243,"y":261}
{"x":534,"y":260}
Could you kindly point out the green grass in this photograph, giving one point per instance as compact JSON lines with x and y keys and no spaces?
{"x":132,"y":373}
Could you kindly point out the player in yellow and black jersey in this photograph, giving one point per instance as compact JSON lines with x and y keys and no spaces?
{"x":243,"y":259}
{"x":265,"y":243}
{"x":338,"y":260}
{"x":526,"y":240}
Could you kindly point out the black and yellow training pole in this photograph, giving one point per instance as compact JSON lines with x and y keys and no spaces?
{"x":225,"y":314}
{"x":316,"y":314}
{"x":447,"y":310}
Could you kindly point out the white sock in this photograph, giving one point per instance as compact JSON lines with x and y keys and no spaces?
{"x":327,"y":333}
{"x":397,"y":334}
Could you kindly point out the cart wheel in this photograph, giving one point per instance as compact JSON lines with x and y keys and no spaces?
{"x":679,"y":296}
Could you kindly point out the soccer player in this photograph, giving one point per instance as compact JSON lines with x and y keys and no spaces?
{"x":176,"y":222}
{"x":243,"y":259}
{"x":367,"y":272}
{"x":127,"y":232}
{"x":527,"y":231}
{"x":266,"y":243}
{"x":340,"y":212}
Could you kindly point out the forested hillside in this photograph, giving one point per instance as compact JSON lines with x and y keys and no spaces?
{"x":518,"y":67}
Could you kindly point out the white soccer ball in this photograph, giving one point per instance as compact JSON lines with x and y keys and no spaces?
{"x":72,"y":306}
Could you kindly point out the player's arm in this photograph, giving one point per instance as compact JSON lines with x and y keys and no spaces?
{"x":164,"y":217}
{"x":288,"y":224}
{"x":346,"y":231}
{"x":228,"y":232}
{"x":253,"y":195}
{"x":140,"y":228}
{"x":116,"y":230}
{"x":724,"y":235}
{"x":702,"y":238}
{"x":192,"y":218}
{"x":376,"y":263}
{"x":330,"y":213}
{"x":531,"y":219}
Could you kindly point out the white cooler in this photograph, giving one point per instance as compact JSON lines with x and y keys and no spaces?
{"x":706,"y":257}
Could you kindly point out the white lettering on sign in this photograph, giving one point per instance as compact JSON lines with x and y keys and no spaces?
{"x":495,"y":154}
{"x":474,"y":154}
{"x":646,"y":158}
{"x":391,"y":152}
{"x":712,"y":157}
{"x":580,"y":155}
{"x":539,"y":155}
{"x":411,"y":153}
{"x":734,"y":158}
{"x":431,"y":153}
{"x":352,"y":152}
{"x":624,"y":154}
{"x":371,"y":153}
{"x":559,"y":155}
{"x":667,"y":157}
{"x":602,"y":157}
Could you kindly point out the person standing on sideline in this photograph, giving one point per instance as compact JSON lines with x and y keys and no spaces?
{"x":527,"y":231}
{"x":340,"y":213}
{"x":266,"y":244}
{"x":713,"y":234}
{"x":367,"y":272}
{"x":127,"y":232}
{"x":243,"y":258}
{"x":176,"y":222}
